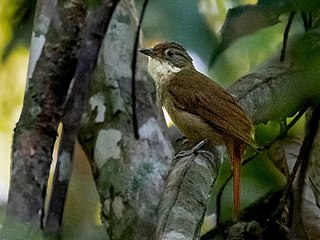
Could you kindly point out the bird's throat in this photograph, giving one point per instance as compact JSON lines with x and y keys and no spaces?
{"x":161,"y":71}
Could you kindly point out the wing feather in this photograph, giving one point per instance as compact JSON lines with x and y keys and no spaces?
{"x":211,"y":102}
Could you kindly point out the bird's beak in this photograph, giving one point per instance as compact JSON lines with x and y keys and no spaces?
{"x":147,"y":51}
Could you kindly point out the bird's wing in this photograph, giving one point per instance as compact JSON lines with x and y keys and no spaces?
{"x":203,"y":97}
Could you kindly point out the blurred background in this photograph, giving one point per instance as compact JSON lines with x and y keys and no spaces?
{"x":195,"y":24}
{"x":13,"y":69}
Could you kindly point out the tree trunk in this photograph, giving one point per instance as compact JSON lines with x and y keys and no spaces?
{"x":129,"y":171}
{"x":36,"y":131}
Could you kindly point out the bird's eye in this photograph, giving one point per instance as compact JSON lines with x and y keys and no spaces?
{"x":170,"y":53}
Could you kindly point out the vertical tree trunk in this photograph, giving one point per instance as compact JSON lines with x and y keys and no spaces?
{"x":129,"y":172}
{"x":36,"y":131}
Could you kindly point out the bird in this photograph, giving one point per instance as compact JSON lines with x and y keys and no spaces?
{"x":199,"y":107}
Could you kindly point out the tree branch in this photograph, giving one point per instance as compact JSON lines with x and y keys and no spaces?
{"x":303,"y":161}
{"x":281,"y":85}
{"x":186,"y":194}
{"x":285,"y":37}
{"x":96,"y":26}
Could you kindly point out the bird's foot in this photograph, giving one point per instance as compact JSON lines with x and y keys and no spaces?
{"x":182,"y":139}
{"x":193,"y":150}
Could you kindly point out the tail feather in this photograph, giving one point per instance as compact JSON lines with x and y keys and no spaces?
{"x":235,"y":150}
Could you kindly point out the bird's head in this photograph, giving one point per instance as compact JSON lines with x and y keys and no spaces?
{"x":166,"y":59}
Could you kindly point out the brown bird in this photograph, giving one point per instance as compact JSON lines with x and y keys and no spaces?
{"x":199,"y":107}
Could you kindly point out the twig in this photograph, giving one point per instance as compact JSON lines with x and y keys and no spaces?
{"x":285,"y":37}
{"x":265,"y":147}
{"x":282,"y":134}
{"x":303,"y":161}
{"x":307,"y":20}
{"x":133,"y":70}
{"x":310,"y":20}
{"x":285,"y":130}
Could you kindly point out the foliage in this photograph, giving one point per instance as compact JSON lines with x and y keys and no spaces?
{"x":249,"y":37}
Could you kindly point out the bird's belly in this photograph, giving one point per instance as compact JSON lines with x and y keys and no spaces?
{"x":193,"y":126}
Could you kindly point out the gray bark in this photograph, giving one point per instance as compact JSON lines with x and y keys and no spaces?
{"x":129,"y":172}
{"x":36,"y":131}
{"x":277,"y":91}
{"x":97,"y":22}
{"x":186,"y":194}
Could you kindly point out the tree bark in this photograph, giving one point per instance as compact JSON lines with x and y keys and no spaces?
{"x":186,"y":194}
{"x":36,"y":131}
{"x":278,"y":91}
{"x":97,"y":22}
{"x":129,"y":171}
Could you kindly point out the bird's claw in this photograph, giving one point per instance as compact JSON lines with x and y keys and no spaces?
{"x":194,"y":150}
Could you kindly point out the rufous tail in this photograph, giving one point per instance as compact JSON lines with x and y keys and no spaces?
{"x":235,"y":150}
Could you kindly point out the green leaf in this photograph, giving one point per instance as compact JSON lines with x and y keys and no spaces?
{"x":306,"y":51}
{"x":22,"y":21}
{"x":179,"y":21}
{"x":244,"y":20}
{"x":292,"y":5}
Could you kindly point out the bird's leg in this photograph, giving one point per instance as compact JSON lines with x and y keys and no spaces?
{"x":193,"y":150}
